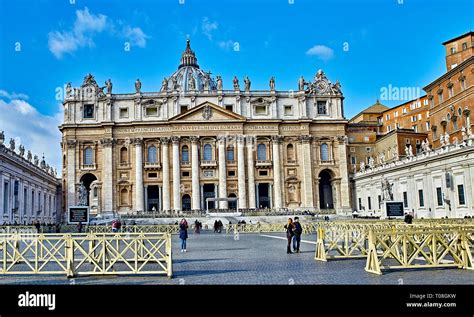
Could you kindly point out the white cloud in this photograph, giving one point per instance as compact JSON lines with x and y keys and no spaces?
{"x":323,"y":52}
{"x":86,"y":27}
{"x":35,"y":131}
{"x":135,"y":35}
{"x":12,"y":95}
{"x":208,"y":27}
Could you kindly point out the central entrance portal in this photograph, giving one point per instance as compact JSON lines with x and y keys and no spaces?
{"x":153,"y":195}
{"x":264,"y":195}
{"x":209,"y":191}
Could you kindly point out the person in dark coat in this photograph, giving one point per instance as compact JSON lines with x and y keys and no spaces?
{"x":183,"y":233}
{"x":289,"y":234}
{"x":298,"y":230}
{"x":408,"y":218}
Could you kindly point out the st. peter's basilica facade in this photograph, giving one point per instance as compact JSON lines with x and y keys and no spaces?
{"x":172,"y":150}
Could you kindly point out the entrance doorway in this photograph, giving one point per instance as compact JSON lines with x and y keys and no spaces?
{"x":263,"y":195}
{"x":325,"y":190}
{"x":87,"y":180}
{"x":232,"y":204}
{"x":209,"y":192}
{"x":153,"y":198}
{"x":186,"y":202}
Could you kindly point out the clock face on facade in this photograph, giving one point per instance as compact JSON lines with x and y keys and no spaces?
{"x":322,"y":86}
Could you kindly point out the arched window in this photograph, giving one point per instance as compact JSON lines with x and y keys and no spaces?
{"x":185,"y":153}
{"x":64,"y":161}
{"x":324,"y":152}
{"x":124,"y":197}
{"x":88,"y":156}
{"x":123,"y":155}
{"x":261,"y":152}
{"x":207,"y":152}
{"x":230,"y":153}
{"x":95,"y":192}
{"x":290,"y":152}
{"x":152,"y":154}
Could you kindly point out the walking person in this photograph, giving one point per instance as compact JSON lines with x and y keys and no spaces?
{"x":289,"y":235}
{"x":183,"y":233}
{"x":79,"y":227}
{"x":297,"y":237}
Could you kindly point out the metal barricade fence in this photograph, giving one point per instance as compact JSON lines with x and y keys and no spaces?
{"x":86,"y":254}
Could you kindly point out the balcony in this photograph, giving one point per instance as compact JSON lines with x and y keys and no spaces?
{"x":327,"y":162}
{"x":263,"y":163}
{"x":152,"y":165}
{"x":185,"y":163}
{"x":89,"y":167}
{"x":208,"y":164}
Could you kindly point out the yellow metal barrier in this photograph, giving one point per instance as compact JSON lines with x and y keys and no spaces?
{"x":172,"y":229}
{"x":86,"y":254}
{"x":266,"y":227}
{"x":420,"y":248}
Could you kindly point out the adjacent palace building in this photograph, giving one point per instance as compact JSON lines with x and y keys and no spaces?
{"x":173,"y":149}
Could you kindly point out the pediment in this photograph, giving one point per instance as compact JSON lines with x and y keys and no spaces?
{"x":208,"y":112}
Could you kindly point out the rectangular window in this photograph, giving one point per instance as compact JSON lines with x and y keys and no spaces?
{"x":184,"y":109}
{"x":151,"y":112}
{"x":413,"y":118}
{"x":260,"y":110}
{"x":439,"y":196}
{"x":405,"y":199}
{"x":5,"y":197}
{"x":360,"y":203}
{"x":464,"y":46}
{"x":404,"y":110}
{"x":16,"y":201}
{"x":380,"y":201}
{"x":415,"y":128}
{"x":440,"y":97}
{"x":231,"y":173}
{"x":453,"y":50}
{"x":263,"y":173}
{"x":25,"y":200}
{"x":450,"y":92}
{"x":461,"y":197}
{"x":463,"y":84}
{"x":123,"y":112}
{"x":152,"y":175}
{"x":389,"y":128}
{"x":185,"y":174}
{"x":88,"y":112}
{"x":369,"y":203}
{"x":428,"y":126}
{"x":288,"y":110}
{"x":322,"y":107}
{"x":421,"y":199}
{"x":387,"y":117}
{"x":395,"y":114}
{"x":425,"y":102}
{"x":353,"y":160}
{"x":33,"y":202}
{"x":229,"y":108}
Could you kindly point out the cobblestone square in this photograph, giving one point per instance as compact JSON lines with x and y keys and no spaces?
{"x":258,"y":259}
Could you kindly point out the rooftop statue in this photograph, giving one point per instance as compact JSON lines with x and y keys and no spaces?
{"x":247,"y":83}
{"x":138,"y":86}
{"x":12,"y":144}
{"x":108,"y":85}
{"x":236,"y":83}
{"x":272,"y":83}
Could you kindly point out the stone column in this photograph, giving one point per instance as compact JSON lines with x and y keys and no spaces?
{"x":71,"y":174}
{"x":166,"y":174}
{"x":344,"y":184}
{"x":251,"y":171}
{"x":316,"y":194}
{"x":307,"y":184}
{"x":241,"y":172}
{"x":107,"y":168}
{"x":276,"y":141}
{"x":139,"y":206}
{"x":195,"y":202}
{"x":176,"y":174}
{"x":222,"y":171}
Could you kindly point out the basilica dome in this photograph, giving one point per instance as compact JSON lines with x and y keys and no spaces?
{"x":189,"y":77}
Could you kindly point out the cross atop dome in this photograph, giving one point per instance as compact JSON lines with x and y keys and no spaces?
{"x":188,"y":58}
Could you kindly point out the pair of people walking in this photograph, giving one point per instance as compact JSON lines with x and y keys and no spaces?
{"x":293,"y":234}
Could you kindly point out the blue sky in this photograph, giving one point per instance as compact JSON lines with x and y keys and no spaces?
{"x":367,"y":45}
